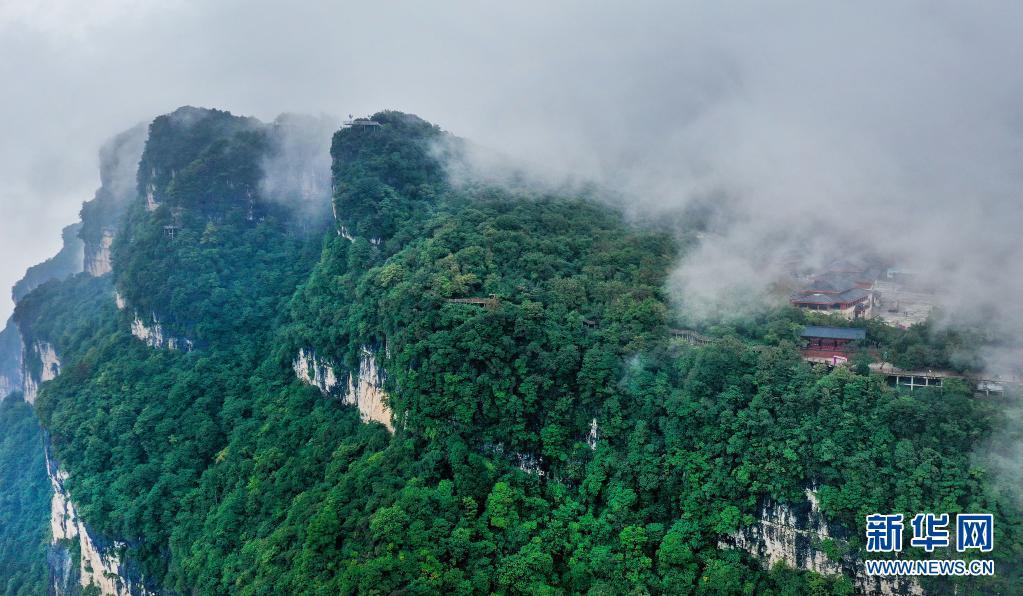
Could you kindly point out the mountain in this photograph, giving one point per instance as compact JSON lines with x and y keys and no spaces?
{"x":428,"y":384}
{"x":65,"y":263}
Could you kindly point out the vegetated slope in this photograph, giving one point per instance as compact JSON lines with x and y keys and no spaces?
{"x":226,"y":474}
{"x":24,"y":500}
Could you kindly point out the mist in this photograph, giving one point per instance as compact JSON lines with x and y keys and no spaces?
{"x":799,"y":128}
{"x":296,"y":171}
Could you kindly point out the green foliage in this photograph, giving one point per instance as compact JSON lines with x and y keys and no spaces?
{"x":10,"y":355}
{"x":225,"y":474}
{"x":24,"y":500}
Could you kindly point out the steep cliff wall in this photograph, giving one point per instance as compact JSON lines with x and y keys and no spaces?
{"x":101,"y":217}
{"x":364,"y":389}
{"x":316,"y":371}
{"x":40,"y":364}
{"x":99,"y":564}
{"x":795,"y":535}
{"x":152,"y":333}
{"x":97,"y":256}
{"x":67,"y":262}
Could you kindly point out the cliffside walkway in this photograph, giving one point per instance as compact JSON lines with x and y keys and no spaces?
{"x":986,"y":382}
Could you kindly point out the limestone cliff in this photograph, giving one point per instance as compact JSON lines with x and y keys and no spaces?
{"x":152,"y":333}
{"x":99,"y":566}
{"x":796,"y":534}
{"x":364,"y":389}
{"x":40,"y":364}
{"x":101,"y":217}
{"x":97,"y":256}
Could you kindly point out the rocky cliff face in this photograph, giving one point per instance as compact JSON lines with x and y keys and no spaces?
{"x":42,"y":353}
{"x":101,"y":217}
{"x":153,"y":335}
{"x":363,"y":390}
{"x":97,"y":256}
{"x":795,"y":536}
{"x":99,"y":566}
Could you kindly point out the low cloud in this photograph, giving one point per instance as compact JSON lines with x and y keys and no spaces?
{"x":296,"y":171}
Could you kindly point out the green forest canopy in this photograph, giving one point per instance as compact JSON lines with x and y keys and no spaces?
{"x":225,"y":474}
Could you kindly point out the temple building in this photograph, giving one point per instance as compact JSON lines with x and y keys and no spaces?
{"x":831,"y":345}
{"x":836,"y":292}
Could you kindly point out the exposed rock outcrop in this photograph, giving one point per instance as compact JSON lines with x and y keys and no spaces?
{"x":100,"y":566}
{"x":153,"y":335}
{"x":365,"y":389}
{"x":315,"y":371}
{"x":97,"y":256}
{"x":795,"y":535}
{"x":367,"y":392}
{"x":530,"y":463}
{"x":49,"y":368}
{"x":151,"y":203}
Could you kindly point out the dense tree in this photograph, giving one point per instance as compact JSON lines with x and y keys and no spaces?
{"x":225,"y":474}
{"x":24,"y":500}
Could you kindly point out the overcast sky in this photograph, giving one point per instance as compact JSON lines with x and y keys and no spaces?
{"x":896,"y":125}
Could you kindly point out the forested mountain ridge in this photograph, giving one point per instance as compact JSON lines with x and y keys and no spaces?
{"x":548,"y":435}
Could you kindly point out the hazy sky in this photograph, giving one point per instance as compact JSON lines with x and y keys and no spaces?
{"x":895,"y":125}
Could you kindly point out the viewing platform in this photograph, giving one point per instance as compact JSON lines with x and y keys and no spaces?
{"x":985,"y":382}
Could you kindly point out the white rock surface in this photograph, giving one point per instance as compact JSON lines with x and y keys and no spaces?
{"x":97,"y":568}
{"x":153,"y":335}
{"x":363,"y":390}
{"x":151,"y":203}
{"x":793,"y":535}
{"x":49,"y":369}
{"x":97,"y":258}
